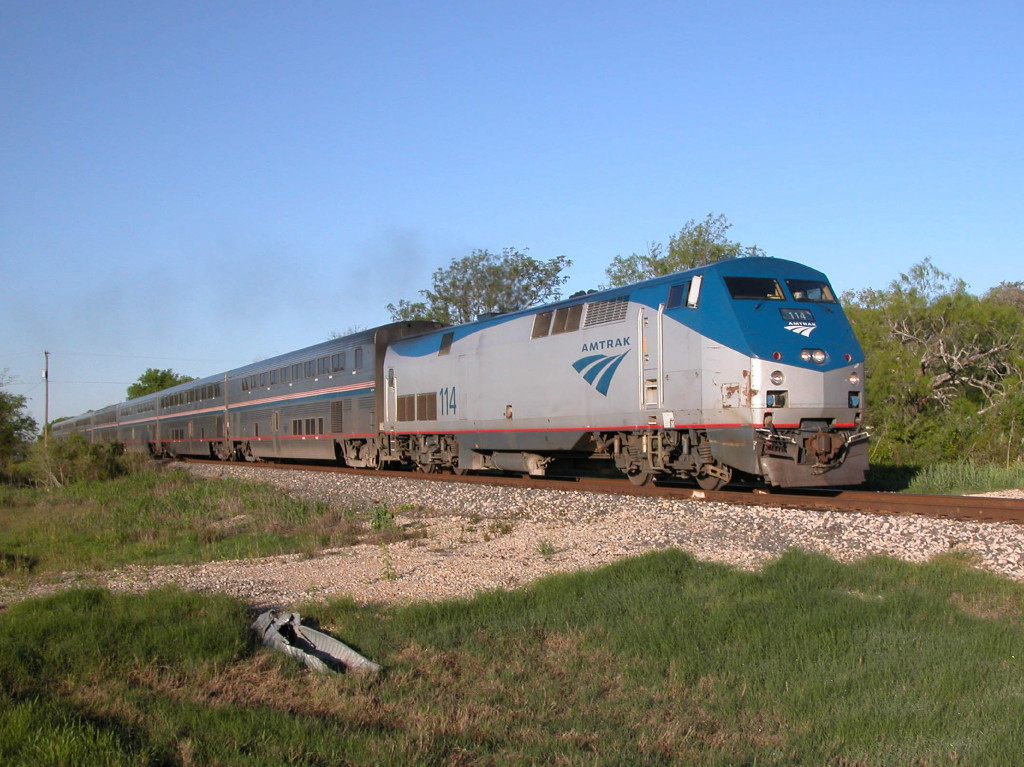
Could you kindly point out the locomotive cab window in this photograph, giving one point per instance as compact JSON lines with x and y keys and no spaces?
{"x":815,"y":291}
{"x":754,"y":288}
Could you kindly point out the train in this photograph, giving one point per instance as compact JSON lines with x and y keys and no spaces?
{"x":744,"y":370}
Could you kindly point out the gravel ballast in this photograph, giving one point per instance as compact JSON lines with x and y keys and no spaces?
{"x":483,"y":537}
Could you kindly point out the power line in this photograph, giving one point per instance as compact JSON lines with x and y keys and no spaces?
{"x":133,"y":356}
{"x":59,"y":381}
{"x":23,"y":355}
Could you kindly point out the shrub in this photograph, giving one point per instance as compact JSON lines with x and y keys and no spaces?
{"x":72,"y":459}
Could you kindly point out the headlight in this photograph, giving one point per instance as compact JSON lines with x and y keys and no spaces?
{"x":853,"y":378}
{"x":777,"y":377}
{"x":816,"y":356}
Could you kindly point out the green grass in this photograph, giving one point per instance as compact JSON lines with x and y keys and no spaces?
{"x":966,"y":477}
{"x":653,"y":661}
{"x":657,"y":660}
{"x":165,"y":517}
{"x":950,"y":478}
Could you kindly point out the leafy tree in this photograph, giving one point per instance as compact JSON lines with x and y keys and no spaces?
{"x":697,"y":244}
{"x":943,"y":367}
{"x":351,"y":330}
{"x":1008,"y":294}
{"x":484,"y":282}
{"x":154,"y":380}
{"x":17,"y":428}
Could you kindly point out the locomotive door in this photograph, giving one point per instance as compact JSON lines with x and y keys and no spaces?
{"x":649,"y":331}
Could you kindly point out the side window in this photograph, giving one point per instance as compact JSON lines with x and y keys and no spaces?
{"x":446,"y":344}
{"x":426,"y":407}
{"x":676,"y":294}
{"x":567,"y":319}
{"x":406,"y":407}
{"x":358,"y":357}
{"x":542,"y":324}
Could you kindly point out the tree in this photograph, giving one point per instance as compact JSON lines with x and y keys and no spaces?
{"x":697,"y":244}
{"x":1007,"y":294}
{"x":17,"y":428}
{"x":483,"y":283}
{"x":154,"y":380}
{"x":351,"y":330}
{"x":943,"y":366}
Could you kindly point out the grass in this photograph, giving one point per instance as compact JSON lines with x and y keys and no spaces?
{"x":168,"y":517}
{"x":657,"y":660}
{"x":949,"y":478}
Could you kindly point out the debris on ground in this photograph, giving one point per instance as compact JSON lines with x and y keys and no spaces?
{"x":320,"y":652}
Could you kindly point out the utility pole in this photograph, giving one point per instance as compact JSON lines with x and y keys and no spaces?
{"x":46,"y":406}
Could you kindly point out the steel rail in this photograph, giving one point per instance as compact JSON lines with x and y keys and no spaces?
{"x":958,"y":507}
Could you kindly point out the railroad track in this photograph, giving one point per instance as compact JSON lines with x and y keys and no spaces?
{"x":960,"y":507}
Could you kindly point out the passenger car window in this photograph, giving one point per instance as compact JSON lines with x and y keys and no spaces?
{"x":815,"y":291}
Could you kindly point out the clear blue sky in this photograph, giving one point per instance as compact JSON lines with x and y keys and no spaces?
{"x":201,"y":185}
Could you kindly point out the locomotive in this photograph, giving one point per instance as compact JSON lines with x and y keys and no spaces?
{"x":743,"y":369}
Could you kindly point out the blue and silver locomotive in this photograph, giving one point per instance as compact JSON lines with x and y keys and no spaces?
{"x":746,"y":368}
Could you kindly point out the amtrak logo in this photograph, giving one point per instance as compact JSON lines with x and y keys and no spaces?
{"x":598,"y":369}
{"x":801,"y":329}
{"x":799,"y":321}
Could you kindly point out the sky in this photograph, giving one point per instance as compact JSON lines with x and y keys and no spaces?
{"x":201,"y":185}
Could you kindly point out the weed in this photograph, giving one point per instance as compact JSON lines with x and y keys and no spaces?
{"x":388,"y":571}
{"x":499,"y":527}
{"x":947,"y":478}
{"x":382,"y":519}
{"x":160,"y":517}
{"x":546,"y":548}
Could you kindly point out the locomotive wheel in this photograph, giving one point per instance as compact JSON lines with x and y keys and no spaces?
{"x":713,"y":481}
{"x":457,"y":470}
{"x":707,"y":482}
{"x":640,"y":477}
